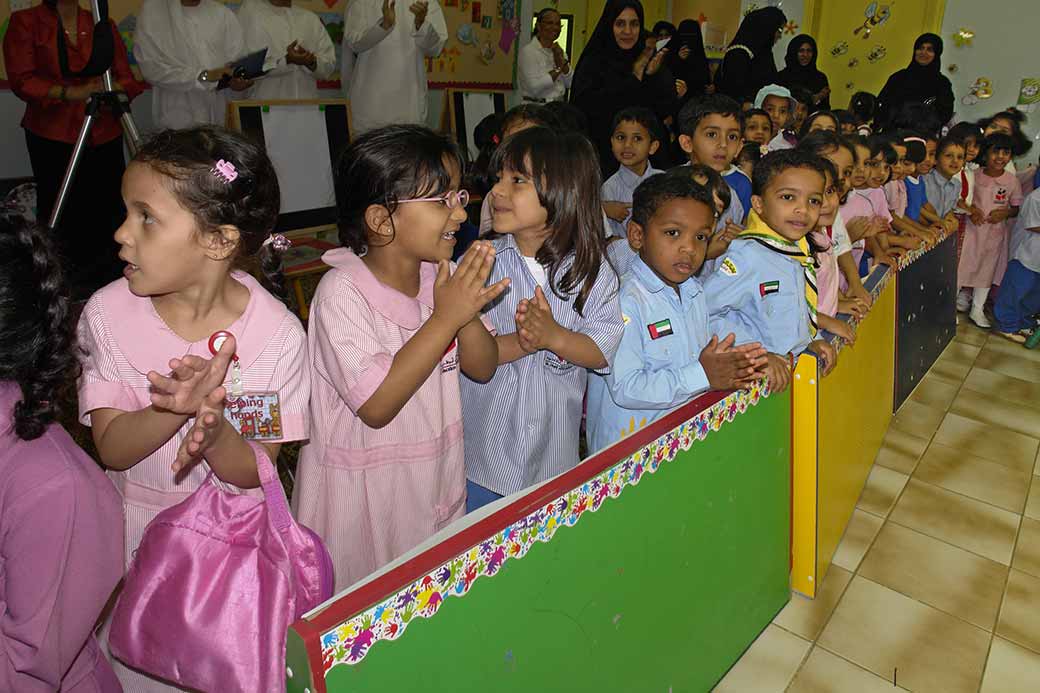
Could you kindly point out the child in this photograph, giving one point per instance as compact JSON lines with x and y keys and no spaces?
{"x":750,"y":154}
{"x":971,"y":135}
{"x":820,"y":120}
{"x":385,"y":366}
{"x":803,"y":105}
{"x":865,"y":211}
{"x":896,"y":192}
{"x":1019,"y":298}
{"x":863,"y":106}
{"x":942,"y":184}
{"x":918,"y":153}
{"x":666,"y":356}
{"x":709,"y":133}
{"x":765,"y":288}
{"x":827,"y":272}
{"x":559,"y":319}
{"x":61,"y":520}
{"x":758,"y":127}
{"x":998,"y":196}
{"x":778,"y":103}
{"x":883,"y":157}
{"x":200,"y":202}
{"x":634,"y":140}
{"x":847,"y":121}
{"x":1009,"y":122}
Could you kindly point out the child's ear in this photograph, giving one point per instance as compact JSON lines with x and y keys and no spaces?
{"x":635,"y":235}
{"x":222,"y":242}
{"x":654,"y":146}
{"x":756,"y":204}
{"x":686,"y":143}
{"x":377,"y":220}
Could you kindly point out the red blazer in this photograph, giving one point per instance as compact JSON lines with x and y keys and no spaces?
{"x":31,"y":58}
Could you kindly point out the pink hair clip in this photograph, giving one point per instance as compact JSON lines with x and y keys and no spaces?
{"x":226,"y":170}
{"x":280,"y":242}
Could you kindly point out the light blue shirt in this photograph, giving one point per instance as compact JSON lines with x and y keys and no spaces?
{"x":649,"y":376}
{"x":1025,"y":244}
{"x":942,"y":192}
{"x":619,"y":188}
{"x":742,"y":300}
{"x":521,"y":427}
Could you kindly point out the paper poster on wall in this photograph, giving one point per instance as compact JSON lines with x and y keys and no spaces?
{"x":481,"y":49}
{"x":302,"y":161}
{"x":1029,"y":93}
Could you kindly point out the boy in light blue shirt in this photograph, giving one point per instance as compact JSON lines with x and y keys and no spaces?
{"x":667,"y":354}
{"x":634,"y":139}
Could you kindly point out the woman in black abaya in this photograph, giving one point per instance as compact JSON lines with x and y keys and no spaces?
{"x":748,"y":64}
{"x":801,"y":71}
{"x":920,"y":82}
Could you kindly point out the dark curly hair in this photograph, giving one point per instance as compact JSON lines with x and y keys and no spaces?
{"x":250,"y":203}
{"x":37,"y":342}
{"x":383,"y":166}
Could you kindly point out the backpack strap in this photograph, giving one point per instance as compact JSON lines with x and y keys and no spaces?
{"x":274,"y":494}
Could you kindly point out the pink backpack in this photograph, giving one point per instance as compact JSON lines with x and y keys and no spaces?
{"x":214,"y":586}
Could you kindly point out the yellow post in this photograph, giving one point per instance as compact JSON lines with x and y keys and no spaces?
{"x":804,"y":475}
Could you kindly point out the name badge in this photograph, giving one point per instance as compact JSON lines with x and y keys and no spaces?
{"x":255,"y":415}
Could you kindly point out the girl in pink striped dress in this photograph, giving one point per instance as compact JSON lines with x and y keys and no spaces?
{"x":198,"y":202}
{"x":391,"y":326}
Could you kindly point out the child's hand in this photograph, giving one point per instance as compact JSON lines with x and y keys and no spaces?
{"x":859,"y":292}
{"x":828,"y":357}
{"x":778,"y":371}
{"x":998,"y":215}
{"x":950,"y":223}
{"x":192,"y":380}
{"x":729,"y":367}
{"x":618,"y":211}
{"x":719,"y":243}
{"x":844,"y":330}
{"x":854,"y":306}
{"x":203,"y":433}
{"x":535,"y":326}
{"x":460,"y":297}
{"x":976,"y":215}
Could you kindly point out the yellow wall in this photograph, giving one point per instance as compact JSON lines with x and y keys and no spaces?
{"x":724,"y":13}
{"x":833,"y":22}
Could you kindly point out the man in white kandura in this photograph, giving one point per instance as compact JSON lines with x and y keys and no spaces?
{"x":183,"y":48}
{"x":544,"y":70}
{"x":299,"y":50}
{"x":391,"y":39}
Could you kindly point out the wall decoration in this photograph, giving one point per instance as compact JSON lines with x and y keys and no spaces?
{"x":854,"y":62}
{"x":952,"y":68}
{"x":839,"y":48}
{"x":791,"y":28}
{"x":963,"y":37}
{"x":981,"y":89}
{"x":876,"y":14}
{"x":1029,"y":93}
{"x":850,"y":85}
{"x":876,"y":53}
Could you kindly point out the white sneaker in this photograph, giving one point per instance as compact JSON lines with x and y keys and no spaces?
{"x":979,"y":318}
{"x":963,"y":302}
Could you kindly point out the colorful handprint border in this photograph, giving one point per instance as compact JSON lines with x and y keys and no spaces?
{"x":350,"y":641}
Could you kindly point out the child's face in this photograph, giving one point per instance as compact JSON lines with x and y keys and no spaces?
{"x":714,"y":143}
{"x":877,"y":170}
{"x":632,"y":145}
{"x":843,"y":161}
{"x":779,"y":110}
{"x":791,"y":202}
{"x":950,"y":161}
{"x":515,"y":207}
{"x":858,"y":179}
{"x":900,"y":169}
{"x":1002,"y":125}
{"x":426,"y":230}
{"x":997,"y":159}
{"x":675,"y":239}
{"x":926,"y":166}
{"x":758,"y":128}
{"x":971,"y":149}
{"x":831,"y":203}
{"x":823,"y":123}
{"x":747,"y":166}
{"x":160,"y":240}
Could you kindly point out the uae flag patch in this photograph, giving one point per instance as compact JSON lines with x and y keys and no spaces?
{"x":766,"y":288}
{"x":660,"y":329}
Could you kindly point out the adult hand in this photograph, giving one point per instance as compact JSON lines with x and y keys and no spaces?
{"x":239,"y":84}
{"x":296,"y":54}
{"x":419,"y":9}
{"x":684,"y":53}
{"x":389,"y":15}
{"x":655,"y":62}
{"x":640,"y":65}
{"x":82,"y":92}
{"x":559,"y":57}
{"x":680,"y":88}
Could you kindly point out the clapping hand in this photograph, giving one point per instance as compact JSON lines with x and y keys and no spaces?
{"x":204,"y":432}
{"x":460,"y":297}
{"x":419,"y":9}
{"x":731,"y":367}
{"x":191,"y":380}
{"x":296,"y":54}
{"x":536,"y":326}
{"x":389,"y":15}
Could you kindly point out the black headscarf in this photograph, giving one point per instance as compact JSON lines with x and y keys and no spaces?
{"x":740,"y":76}
{"x":603,"y":46}
{"x":758,"y":32}
{"x":693,"y":70}
{"x":916,"y":83}
{"x":806,"y":77}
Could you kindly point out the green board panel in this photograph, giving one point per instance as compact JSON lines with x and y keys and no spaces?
{"x":660,"y":589}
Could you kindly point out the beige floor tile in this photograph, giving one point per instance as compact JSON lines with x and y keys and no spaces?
{"x":998,"y":412}
{"x":1027,"y":549}
{"x":900,"y":451}
{"x":859,"y":533}
{"x":1033,"y":502}
{"x":882,"y":630}
{"x":1010,"y":669}
{"x":1018,"y":616}
{"x":881,"y":490}
{"x":936,"y":573}
{"x":974,"y":476}
{"x":969,"y":334}
{"x":976,"y":438}
{"x":1014,"y":365}
{"x":1003,"y":386}
{"x":933,"y":392}
{"x":959,"y":351}
{"x":917,"y":419}
{"x":1005,"y":346}
{"x":950,"y":370}
{"x":768,"y":665}
{"x":824,"y":672}
{"x":958,"y":520}
{"x":806,"y":617}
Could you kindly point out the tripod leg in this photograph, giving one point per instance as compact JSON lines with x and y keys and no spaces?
{"x":70,"y":170}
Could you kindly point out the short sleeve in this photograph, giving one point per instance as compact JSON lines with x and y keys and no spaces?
{"x":1030,"y":212}
{"x":602,"y":311}
{"x":840,"y":237}
{"x":1016,"y":191}
{"x":291,"y":380}
{"x":100,"y":385}
{"x":348,"y":345}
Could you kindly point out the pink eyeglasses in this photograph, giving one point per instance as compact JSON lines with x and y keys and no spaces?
{"x":451,"y":200}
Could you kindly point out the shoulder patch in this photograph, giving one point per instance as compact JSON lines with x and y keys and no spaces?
{"x":728,"y":267}
{"x":625,"y":318}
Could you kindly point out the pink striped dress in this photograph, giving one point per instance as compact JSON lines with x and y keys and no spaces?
{"x":373,"y":494}
{"x":125,"y":338}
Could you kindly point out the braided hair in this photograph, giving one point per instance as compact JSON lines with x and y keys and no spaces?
{"x":37,"y":342}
